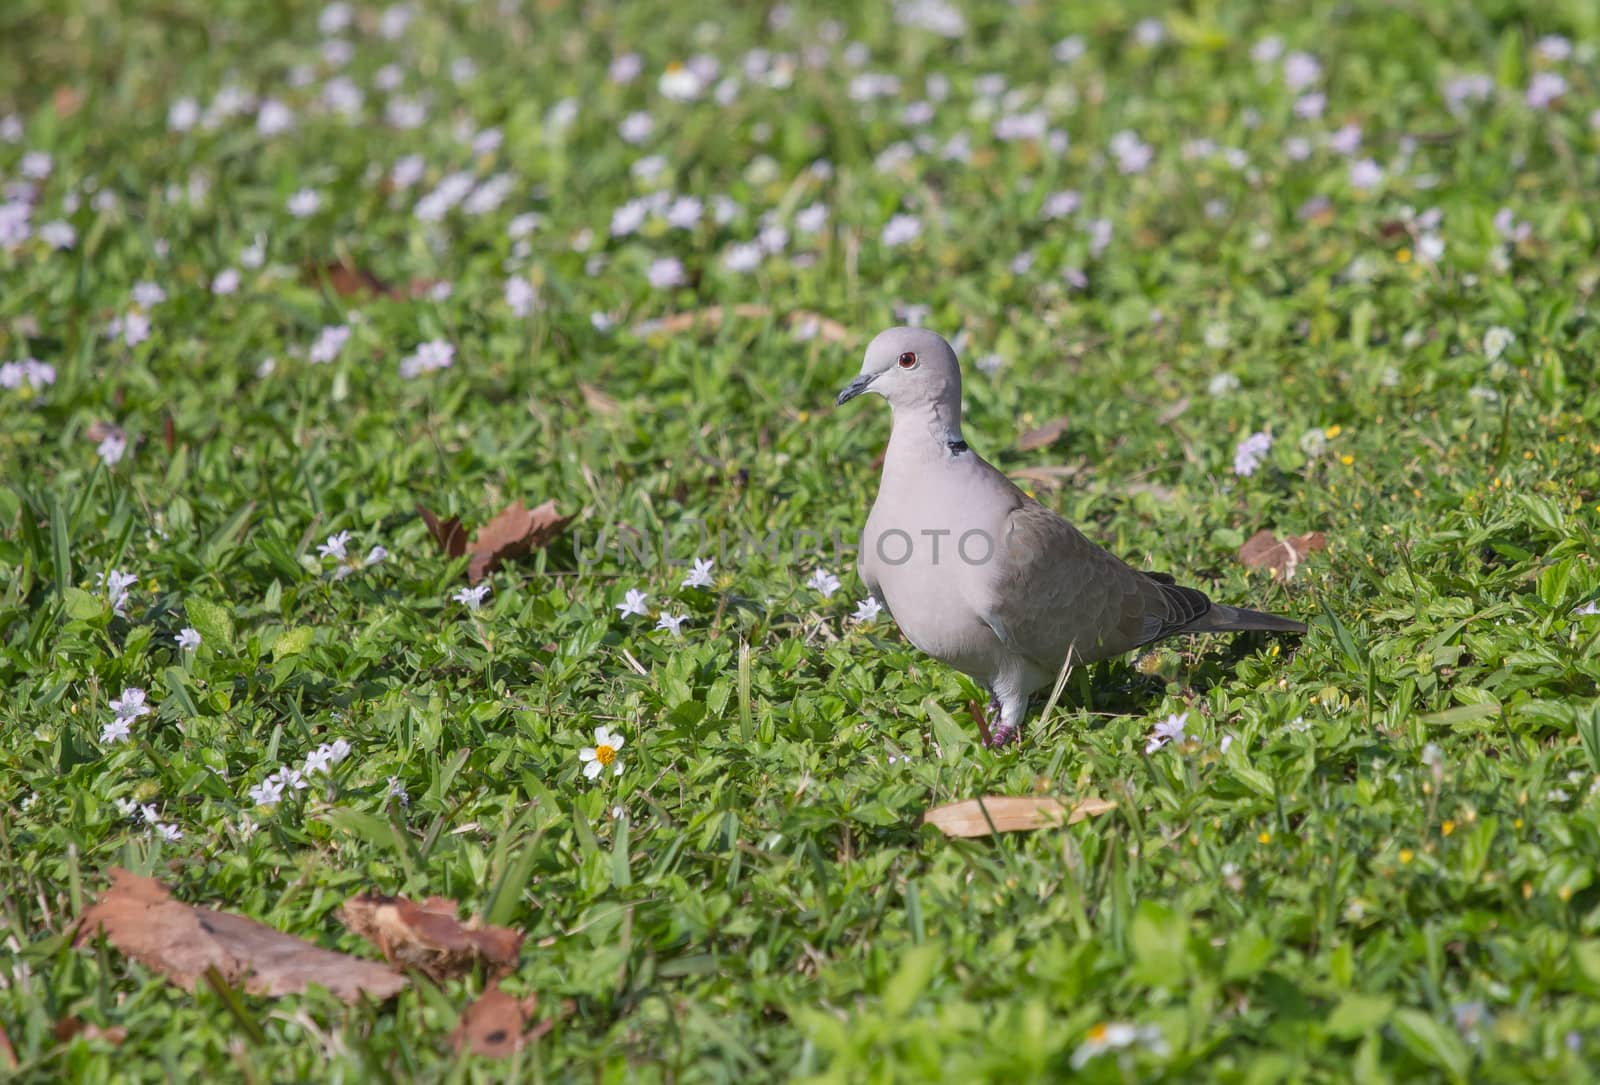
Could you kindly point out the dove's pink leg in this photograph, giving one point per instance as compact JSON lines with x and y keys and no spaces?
{"x":1005,"y":720}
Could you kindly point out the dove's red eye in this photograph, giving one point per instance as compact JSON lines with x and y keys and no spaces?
{"x":907,"y":360}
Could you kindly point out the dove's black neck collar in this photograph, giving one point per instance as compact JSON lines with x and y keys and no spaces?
{"x":956,"y":447}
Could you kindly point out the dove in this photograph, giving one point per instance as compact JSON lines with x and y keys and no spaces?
{"x":982,"y":577}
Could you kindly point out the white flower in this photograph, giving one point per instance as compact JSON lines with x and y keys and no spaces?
{"x":625,"y":68}
{"x":1554,"y":48}
{"x":134,"y":327}
{"x":291,"y":779}
{"x":268,"y":792}
{"x":1118,"y":1036}
{"x":824,"y":582}
{"x":671,"y":623}
{"x":183,"y":114}
{"x":1300,"y":70}
{"x":901,"y":229}
{"x":632,"y":603}
{"x":666,"y":272}
{"x":225,"y":282}
{"x":131,"y":705}
{"x":1168,"y":730}
{"x":326,"y":756}
{"x":112,"y":448}
{"x":374,"y":556}
{"x":329,"y":342}
{"x":168,"y":832}
{"x":117,"y":730}
{"x":1249,"y":453}
{"x":867,"y":610}
{"x":636,"y":128}
{"x":273,"y":117}
{"x":1592,"y":607}
{"x":1069,"y":49}
{"x":1133,"y":154}
{"x":397,"y":791}
{"x":628,"y":218}
{"x":680,"y":83}
{"x":1365,"y":174}
{"x":304,"y":203}
{"x":1099,"y":231}
{"x":36,"y":165}
{"x":1267,"y":50}
{"x":1314,"y":441}
{"x":1495,"y":342}
{"x":520,"y":296}
{"x":1149,"y":32}
{"x":1216,"y":335}
{"x":188,"y":638}
{"x":1543,"y":89}
{"x":1059,"y":205}
{"x":116,"y":585}
{"x":742,"y":256}
{"x":700,"y":575}
{"x":472,"y":598}
{"x":433,"y":355}
{"x":335,"y":546}
{"x":1429,"y":248}
{"x":601,"y":322}
{"x":58,"y":235}
{"x":602,"y":754}
{"x":1227,"y":741}
{"x":1222,"y":384}
{"x":811,"y":219}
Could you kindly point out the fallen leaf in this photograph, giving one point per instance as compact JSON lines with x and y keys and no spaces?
{"x":68,"y":1027}
{"x":495,"y":1025}
{"x":513,"y":533}
{"x":1265,"y":550}
{"x":449,"y":534}
{"x":66,"y":100}
{"x":1043,"y":436}
{"x":141,"y":918}
{"x":8,"y":1054}
{"x":428,"y":936}
{"x":349,"y":281}
{"x":100,"y":429}
{"x":804,"y":323}
{"x":1010,"y":814}
{"x":598,"y":401}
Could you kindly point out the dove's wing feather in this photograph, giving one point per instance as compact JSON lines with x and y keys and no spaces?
{"x":1052,"y":588}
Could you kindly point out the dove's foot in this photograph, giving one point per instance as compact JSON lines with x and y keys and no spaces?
{"x":999,"y":733}
{"x":1002,"y":735}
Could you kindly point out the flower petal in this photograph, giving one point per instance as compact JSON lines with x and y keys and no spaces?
{"x":592,"y":769}
{"x":586,"y":754}
{"x":616,"y":740}
{"x":617,"y":767}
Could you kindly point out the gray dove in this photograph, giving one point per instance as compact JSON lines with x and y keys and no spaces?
{"x":979,"y":575}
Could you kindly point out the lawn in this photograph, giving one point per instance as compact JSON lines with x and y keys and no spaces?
{"x":273,"y":275}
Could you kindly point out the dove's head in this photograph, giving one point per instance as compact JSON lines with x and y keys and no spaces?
{"x":910,"y":367}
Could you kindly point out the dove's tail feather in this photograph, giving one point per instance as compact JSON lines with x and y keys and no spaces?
{"x":1221,"y":618}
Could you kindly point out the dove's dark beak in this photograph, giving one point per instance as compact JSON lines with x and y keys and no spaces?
{"x":855,"y":388}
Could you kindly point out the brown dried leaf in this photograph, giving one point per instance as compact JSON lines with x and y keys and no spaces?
{"x":514,"y":532}
{"x":68,"y":1027}
{"x":1043,"y":436}
{"x":349,"y":281}
{"x":428,"y":936}
{"x":140,"y":917}
{"x":598,"y":401}
{"x":1280,"y":557}
{"x":449,"y":534}
{"x":1010,"y":814}
{"x":8,"y":1054}
{"x":496,"y":1024}
{"x":100,"y":429}
{"x":66,"y":100}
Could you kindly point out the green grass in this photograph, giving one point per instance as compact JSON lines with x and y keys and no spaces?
{"x":1388,"y":875}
